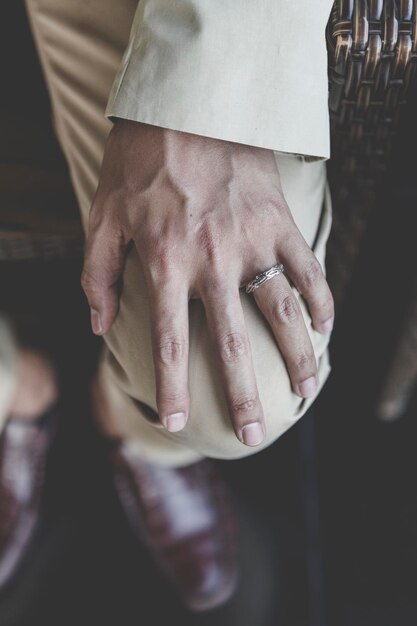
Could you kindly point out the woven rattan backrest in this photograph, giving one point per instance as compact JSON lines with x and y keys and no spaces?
{"x":372,"y":66}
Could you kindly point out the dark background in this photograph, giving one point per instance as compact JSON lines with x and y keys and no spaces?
{"x":328,"y":514}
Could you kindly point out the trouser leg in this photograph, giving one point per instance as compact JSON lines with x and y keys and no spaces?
{"x":81,"y":45}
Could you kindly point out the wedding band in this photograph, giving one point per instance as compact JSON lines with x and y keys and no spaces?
{"x":260,"y":279}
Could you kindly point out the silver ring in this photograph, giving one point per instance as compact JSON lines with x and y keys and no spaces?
{"x":260,"y":279}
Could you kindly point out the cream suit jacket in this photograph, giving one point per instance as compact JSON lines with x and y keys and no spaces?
{"x":248,"y":71}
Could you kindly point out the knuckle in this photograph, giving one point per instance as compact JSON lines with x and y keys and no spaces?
{"x":286,"y":311}
{"x":214,"y":281}
{"x":102,"y":223}
{"x":209,"y":240}
{"x":168,"y":397}
{"x":160,"y":260}
{"x":305,"y":360}
{"x":170,"y":349}
{"x":233,"y":346}
{"x":89,"y":282}
{"x":94,"y":282}
{"x":242,"y":406}
{"x":311,"y":275}
{"x":163,"y":264}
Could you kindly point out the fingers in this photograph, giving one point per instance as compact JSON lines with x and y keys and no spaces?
{"x":103,"y":265}
{"x":305,"y":271}
{"x":169,"y":331}
{"x":232,"y":347}
{"x":280,"y":306}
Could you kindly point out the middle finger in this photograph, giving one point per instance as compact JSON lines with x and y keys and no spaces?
{"x":231,"y":342}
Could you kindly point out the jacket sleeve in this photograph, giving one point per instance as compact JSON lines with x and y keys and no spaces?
{"x":248,"y":71}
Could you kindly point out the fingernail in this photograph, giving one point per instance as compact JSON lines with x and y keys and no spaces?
{"x":308,"y":387}
{"x":327,"y":326}
{"x":175,"y":422}
{"x":96,"y":322}
{"x":252,"y":434}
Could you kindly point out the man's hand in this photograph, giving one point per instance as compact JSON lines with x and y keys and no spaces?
{"x":206,"y":216}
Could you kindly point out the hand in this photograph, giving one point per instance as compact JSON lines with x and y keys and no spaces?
{"x":206,"y":216}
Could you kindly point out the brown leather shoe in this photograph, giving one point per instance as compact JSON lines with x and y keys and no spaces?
{"x":185,"y":518}
{"x":23,"y":451}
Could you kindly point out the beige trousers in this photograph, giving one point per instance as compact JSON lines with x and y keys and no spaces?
{"x":81,"y":45}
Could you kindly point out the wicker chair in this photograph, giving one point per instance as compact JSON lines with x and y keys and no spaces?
{"x":372,"y":47}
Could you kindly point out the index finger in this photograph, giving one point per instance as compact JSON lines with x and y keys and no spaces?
{"x":170,"y":346}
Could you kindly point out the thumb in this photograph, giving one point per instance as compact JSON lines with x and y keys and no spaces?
{"x":103,"y":266}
